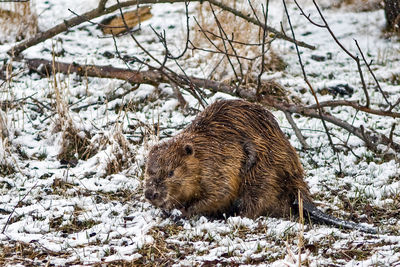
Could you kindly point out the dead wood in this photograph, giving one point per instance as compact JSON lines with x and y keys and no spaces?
{"x":115,"y":25}
{"x":155,"y":77}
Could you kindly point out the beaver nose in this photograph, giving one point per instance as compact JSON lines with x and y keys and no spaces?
{"x":150,"y":194}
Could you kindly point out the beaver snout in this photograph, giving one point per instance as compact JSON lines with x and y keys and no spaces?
{"x":151,"y":194}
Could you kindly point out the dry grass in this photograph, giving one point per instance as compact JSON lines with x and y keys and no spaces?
{"x":242,"y":33}
{"x":74,"y":226}
{"x":6,"y":165}
{"x":122,"y":155}
{"x":356,"y":5}
{"x":25,"y":254}
{"x":17,"y":21}
{"x":80,"y":144}
{"x":75,"y":142}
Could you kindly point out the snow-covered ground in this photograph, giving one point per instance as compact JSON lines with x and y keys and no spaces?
{"x":94,"y":211}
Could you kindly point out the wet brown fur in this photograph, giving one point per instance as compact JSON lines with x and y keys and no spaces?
{"x":233,"y":158}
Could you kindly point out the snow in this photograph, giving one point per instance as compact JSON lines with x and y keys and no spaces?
{"x":82,"y":214}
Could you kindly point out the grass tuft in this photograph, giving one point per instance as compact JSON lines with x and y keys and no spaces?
{"x":75,"y":143}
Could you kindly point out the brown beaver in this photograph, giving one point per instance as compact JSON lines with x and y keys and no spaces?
{"x":232,"y":159}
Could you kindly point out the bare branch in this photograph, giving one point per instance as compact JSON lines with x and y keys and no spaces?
{"x":357,"y":106}
{"x":102,"y":5}
{"x":297,"y":131}
{"x":155,"y":77}
{"x":354,"y":57}
{"x":222,"y":33}
{"x":264,"y":36}
{"x":373,"y":74}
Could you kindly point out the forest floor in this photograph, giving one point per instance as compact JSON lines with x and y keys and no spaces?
{"x":91,"y":210}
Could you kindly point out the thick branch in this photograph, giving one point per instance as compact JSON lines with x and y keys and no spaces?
{"x":155,"y":77}
{"x":148,"y":77}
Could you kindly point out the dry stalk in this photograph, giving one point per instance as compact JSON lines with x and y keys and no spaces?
{"x":123,"y":155}
{"x":3,"y":126}
{"x":301,"y":233}
{"x":117,"y":148}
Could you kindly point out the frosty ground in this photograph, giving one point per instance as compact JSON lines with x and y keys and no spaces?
{"x":94,"y":212}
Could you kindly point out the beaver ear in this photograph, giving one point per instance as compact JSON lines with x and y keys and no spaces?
{"x":189,"y":149}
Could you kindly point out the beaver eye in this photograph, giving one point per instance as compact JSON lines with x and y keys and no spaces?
{"x":170,"y":173}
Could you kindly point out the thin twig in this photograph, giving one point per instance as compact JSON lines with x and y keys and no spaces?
{"x":355,"y":58}
{"x":373,"y":74}
{"x":15,"y":207}
{"x":222,"y":33}
{"x":297,"y":131}
{"x":320,"y":112}
{"x":264,"y":36}
{"x":355,"y":105}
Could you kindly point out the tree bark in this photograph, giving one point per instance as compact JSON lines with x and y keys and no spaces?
{"x":392,"y":14}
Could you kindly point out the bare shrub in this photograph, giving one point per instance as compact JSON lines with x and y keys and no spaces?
{"x":226,"y":34}
{"x":122,"y":154}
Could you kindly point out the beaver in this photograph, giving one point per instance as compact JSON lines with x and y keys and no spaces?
{"x":233,"y":159}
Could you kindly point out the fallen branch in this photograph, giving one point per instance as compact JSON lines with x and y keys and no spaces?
{"x":16,"y":206}
{"x":44,"y":66}
{"x":155,"y":77}
{"x":356,"y":105}
{"x":102,"y":10}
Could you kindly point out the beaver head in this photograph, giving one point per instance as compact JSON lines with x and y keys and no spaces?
{"x":172,"y":174}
